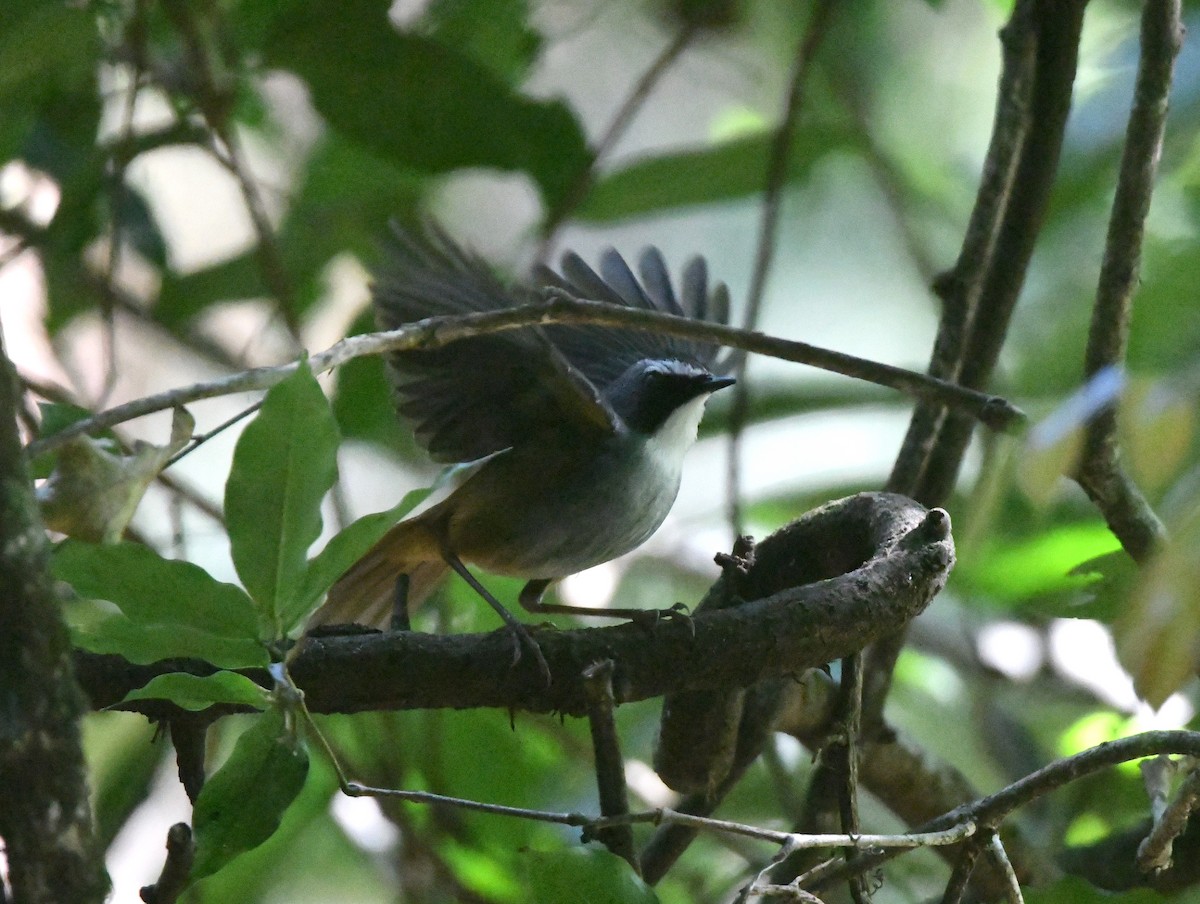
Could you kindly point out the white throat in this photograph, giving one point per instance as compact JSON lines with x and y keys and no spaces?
{"x":668,"y":445}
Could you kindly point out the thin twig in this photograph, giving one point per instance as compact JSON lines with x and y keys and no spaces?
{"x":435,"y":332}
{"x":610,"y":766}
{"x":214,"y":99}
{"x":1154,"y":853}
{"x":629,"y":108}
{"x":135,"y":37}
{"x":964,"y":866}
{"x":847,"y":752}
{"x":1126,"y":510}
{"x":992,"y":810}
{"x":200,"y":439}
{"x":1012,"y":887}
{"x":781,"y":146}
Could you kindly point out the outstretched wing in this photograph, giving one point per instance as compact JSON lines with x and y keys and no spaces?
{"x":486,"y":393}
{"x":602,"y":353}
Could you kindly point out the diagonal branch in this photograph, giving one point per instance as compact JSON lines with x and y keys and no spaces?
{"x":781,"y":146}
{"x":1127,"y":512}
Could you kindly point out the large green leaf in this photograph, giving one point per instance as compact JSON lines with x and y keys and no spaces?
{"x":496,"y":33}
{"x":419,"y":102}
{"x":197,"y":692}
{"x":585,"y":874}
{"x":182,"y":296}
{"x":43,"y":47}
{"x":723,"y":172}
{"x":242,"y":804}
{"x":168,"y":608}
{"x":284,"y":464}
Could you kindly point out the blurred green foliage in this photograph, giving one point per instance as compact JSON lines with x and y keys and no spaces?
{"x":367,"y":119}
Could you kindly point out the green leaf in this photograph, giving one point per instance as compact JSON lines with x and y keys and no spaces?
{"x":183,"y":296}
{"x":146,"y":643}
{"x":421,"y":103}
{"x":1074,"y":890}
{"x":197,"y":692}
{"x":340,"y":553}
{"x":733,"y":169}
{"x":585,"y":874}
{"x":495,"y":34}
{"x":242,"y":804}
{"x":44,"y":46}
{"x":362,"y":401}
{"x":1157,"y":633}
{"x":284,"y":464}
{"x":168,"y":608}
{"x":93,"y":492}
{"x":1043,"y":564}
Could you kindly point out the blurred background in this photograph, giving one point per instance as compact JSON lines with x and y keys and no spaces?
{"x":194,"y":189}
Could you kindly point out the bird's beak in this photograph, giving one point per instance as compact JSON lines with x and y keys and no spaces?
{"x":712,"y":382}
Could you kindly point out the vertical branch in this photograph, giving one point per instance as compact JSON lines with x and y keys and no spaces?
{"x":959,"y":288}
{"x":620,"y":122}
{"x":45,"y":815}
{"x":1100,"y":474}
{"x":135,"y":39}
{"x":213,"y":95}
{"x":781,"y":147}
{"x":1041,"y":48}
{"x":1041,"y":52}
{"x":610,"y":766}
{"x":846,"y":754}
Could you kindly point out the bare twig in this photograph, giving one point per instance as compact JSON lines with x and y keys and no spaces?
{"x":629,"y":108}
{"x":135,"y":36}
{"x":610,"y":766}
{"x":781,"y":145}
{"x":666,"y":815}
{"x":213,"y":97}
{"x":1126,"y":510}
{"x":964,"y":866}
{"x":200,"y":439}
{"x":847,"y":751}
{"x":436,"y":332}
{"x":1041,"y":46}
{"x":992,"y":810}
{"x":1154,"y":853}
{"x":1012,"y":887}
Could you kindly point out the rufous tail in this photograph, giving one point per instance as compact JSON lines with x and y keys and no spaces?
{"x":366,"y":593}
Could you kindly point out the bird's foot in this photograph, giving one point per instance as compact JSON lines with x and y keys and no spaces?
{"x":523,"y":642}
{"x":651,"y":618}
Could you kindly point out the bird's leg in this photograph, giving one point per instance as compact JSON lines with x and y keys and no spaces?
{"x":530,"y":599}
{"x":400,"y":620}
{"x":521,"y":635}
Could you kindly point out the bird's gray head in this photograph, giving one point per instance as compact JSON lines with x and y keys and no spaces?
{"x":650,"y":391}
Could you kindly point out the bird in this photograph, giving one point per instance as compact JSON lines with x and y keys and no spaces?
{"x":570,"y":439}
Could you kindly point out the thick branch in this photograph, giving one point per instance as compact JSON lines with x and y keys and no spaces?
{"x":1041,"y":46}
{"x":45,"y":817}
{"x":873,"y":585}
